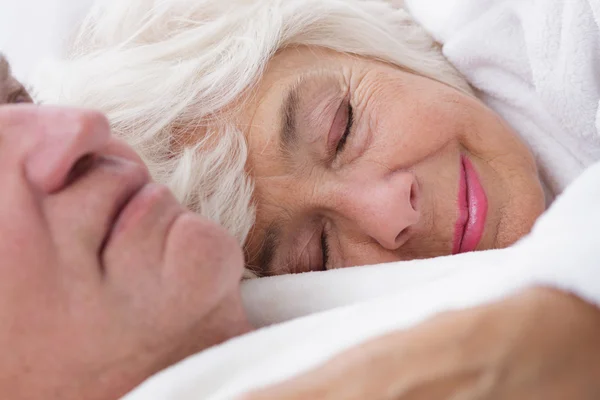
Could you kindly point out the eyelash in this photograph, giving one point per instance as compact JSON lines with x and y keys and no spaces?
{"x":324,"y":249}
{"x":18,"y":97}
{"x":342,"y":143}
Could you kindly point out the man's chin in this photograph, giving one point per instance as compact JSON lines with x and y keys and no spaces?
{"x":225,"y":321}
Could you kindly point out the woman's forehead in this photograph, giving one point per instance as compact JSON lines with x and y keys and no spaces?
{"x":284,"y":69}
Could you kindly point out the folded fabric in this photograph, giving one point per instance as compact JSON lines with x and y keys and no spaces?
{"x":282,"y":298}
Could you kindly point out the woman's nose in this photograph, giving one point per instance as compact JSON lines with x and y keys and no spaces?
{"x":386,"y":209}
{"x":67,"y":139}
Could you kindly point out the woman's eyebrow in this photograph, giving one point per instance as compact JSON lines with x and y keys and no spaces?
{"x":295,"y":98}
{"x":288,"y":132}
{"x":308,"y":89}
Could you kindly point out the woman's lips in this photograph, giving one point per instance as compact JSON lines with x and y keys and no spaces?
{"x":472,"y":208}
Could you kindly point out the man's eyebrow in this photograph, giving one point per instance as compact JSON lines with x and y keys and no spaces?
{"x":268,"y":249}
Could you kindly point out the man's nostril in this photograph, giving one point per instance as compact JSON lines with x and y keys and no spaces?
{"x":414,"y":194}
{"x":81,"y":166}
{"x":401,"y":238}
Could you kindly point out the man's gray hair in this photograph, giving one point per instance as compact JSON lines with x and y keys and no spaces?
{"x":169,"y":74}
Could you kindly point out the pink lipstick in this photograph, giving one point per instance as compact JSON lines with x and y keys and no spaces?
{"x":472,"y":209}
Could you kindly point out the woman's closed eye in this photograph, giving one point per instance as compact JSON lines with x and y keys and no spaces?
{"x":341,"y":128}
{"x":324,"y":250}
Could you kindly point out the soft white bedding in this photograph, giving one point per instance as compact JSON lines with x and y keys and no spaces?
{"x":527,"y":58}
{"x":35,"y":30}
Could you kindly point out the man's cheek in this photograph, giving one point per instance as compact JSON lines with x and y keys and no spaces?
{"x":203,"y":251}
{"x":29,"y":263}
{"x":22,"y":220}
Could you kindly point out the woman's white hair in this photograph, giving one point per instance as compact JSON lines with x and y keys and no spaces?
{"x":169,"y":74}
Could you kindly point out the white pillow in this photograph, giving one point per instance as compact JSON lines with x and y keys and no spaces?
{"x":34,"y":30}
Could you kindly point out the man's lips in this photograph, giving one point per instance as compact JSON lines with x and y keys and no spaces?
{"x":472,"y":207}
{"x":130,"y":186}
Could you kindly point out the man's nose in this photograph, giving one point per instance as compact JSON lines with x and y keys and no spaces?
{"x":64,"y":140}
{"x":385,"y":209}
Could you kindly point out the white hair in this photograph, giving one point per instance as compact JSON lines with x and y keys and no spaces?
{"x":169,"y":73}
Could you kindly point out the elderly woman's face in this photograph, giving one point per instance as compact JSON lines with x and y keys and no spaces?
{"x":358,"y":162}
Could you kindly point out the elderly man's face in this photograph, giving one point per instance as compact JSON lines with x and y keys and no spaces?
{"x":105,"y":278}
{"x":358,"y":162}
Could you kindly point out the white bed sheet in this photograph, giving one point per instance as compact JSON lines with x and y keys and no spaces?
{"x":35,"y":30}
